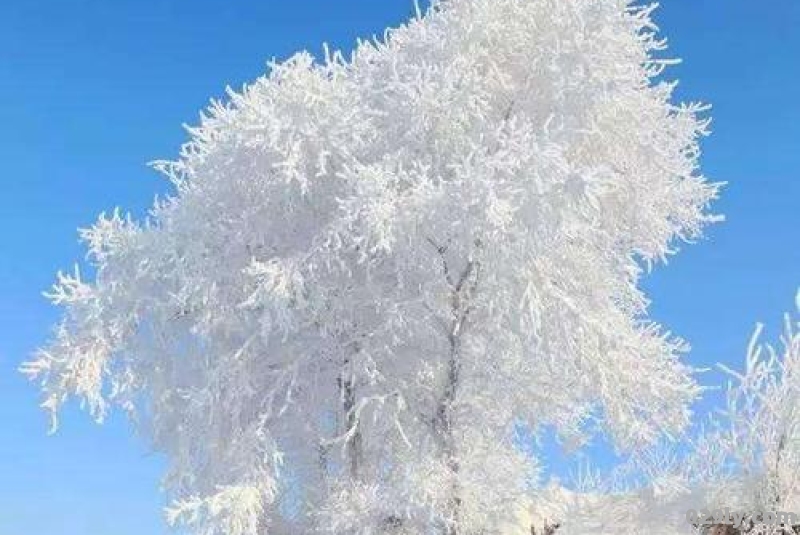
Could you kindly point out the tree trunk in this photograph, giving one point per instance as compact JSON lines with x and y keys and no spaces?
{"x":354,"y":445}
{"x":444,"y":416}
{"x":461,"y":290}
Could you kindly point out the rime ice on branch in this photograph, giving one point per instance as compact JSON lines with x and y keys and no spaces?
{"x":372,"y":269}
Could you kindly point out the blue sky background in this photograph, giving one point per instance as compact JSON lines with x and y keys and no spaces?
{"x":91,"y":90}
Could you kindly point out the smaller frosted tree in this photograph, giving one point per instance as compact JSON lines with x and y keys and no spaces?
{"x":746,"y":459}
{"x":761,"y":441}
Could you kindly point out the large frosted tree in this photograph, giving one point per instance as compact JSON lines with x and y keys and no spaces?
{"x":374,"y":269}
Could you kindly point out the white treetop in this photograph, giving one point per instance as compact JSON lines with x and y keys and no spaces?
{"x":373,"y":269}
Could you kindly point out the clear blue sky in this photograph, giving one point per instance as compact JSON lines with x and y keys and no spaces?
{"x":90,"y":90}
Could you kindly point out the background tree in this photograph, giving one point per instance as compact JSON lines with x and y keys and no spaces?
{"x":373,"y":270}
{"x":756,"y":444}
{"x":745,"y":460}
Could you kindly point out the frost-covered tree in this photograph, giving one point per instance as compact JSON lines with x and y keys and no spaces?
{"x":756,"y":444}
{"x":746,"y":460}
{"x":762,"y":438}
{"x":374,"y":269}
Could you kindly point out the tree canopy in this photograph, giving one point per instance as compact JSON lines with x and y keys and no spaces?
{"x":374,"y":269}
